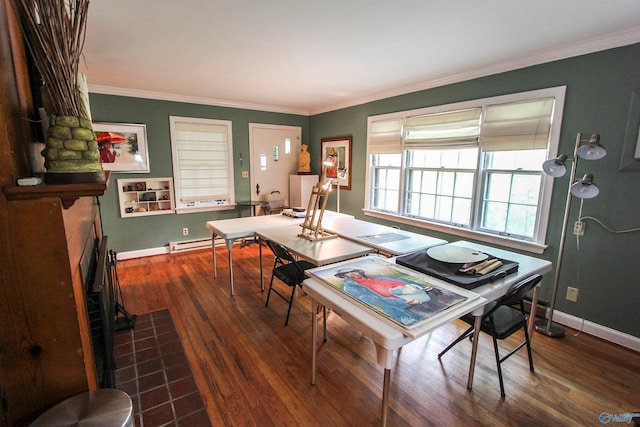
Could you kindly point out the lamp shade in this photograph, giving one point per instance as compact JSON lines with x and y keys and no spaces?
{"x":585,"y":188}
{"x":555,"y":167}
{"x":592,"y":150}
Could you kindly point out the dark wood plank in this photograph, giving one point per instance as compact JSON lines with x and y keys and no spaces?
{"x":253,"y":371}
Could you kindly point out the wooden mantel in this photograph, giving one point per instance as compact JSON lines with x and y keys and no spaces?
{"x":68,"y":193}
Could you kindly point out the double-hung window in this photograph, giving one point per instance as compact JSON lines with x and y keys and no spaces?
{"x":471,"y":168}
{"x":203,"y":171}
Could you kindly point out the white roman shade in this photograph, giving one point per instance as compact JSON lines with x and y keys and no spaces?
{"x":385,"y":136}
{"x":450,"y":128}
{"x":202,"y":161}
{"x":518,"y":125}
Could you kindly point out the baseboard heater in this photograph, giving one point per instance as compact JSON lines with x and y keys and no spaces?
{"x":190,"y":245}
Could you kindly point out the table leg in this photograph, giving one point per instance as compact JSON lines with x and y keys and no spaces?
{"x":532,"y":313}
{"x":261,"y":276}
{"x":314,"y":340}
{"x":213,"y":249}
{"x":229,"y":247}
{"x":324,"y":324}
{"x":385,"y":397}
{"x":474,"y":349}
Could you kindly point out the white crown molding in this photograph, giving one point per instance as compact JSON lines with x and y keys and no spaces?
{"x":163,"y":96}
{"x":594,"y":45}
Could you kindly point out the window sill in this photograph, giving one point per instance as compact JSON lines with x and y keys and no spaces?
{"x":475,"y":235}
{"x":197,"y":209}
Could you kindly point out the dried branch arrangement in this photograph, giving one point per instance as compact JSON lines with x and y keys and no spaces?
{"x":55,"y":32}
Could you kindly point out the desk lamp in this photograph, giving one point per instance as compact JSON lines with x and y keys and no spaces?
{"x":583,"y":189}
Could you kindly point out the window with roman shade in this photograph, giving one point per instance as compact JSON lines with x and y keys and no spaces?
{"x":472,"y":167}
{"x":202,"y":164}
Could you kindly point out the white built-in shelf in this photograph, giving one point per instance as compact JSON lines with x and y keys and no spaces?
{"x":141,"y":197}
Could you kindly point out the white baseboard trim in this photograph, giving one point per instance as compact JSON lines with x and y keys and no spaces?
{"x":143,"y":253}
{"x":608,"y":334}
{"x":161,"y":250}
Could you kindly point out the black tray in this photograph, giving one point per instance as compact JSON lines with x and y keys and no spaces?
{"x":448,"y":272}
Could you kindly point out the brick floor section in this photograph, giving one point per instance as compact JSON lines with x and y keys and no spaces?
{"x":153,"y":369}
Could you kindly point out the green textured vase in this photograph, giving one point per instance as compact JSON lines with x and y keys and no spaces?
{"x":72,"y":149}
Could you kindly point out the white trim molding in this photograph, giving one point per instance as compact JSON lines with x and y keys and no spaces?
{"x":603,"y":332}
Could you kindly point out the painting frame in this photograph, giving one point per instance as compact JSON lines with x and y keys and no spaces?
{"x":341,"y":146}
{"x":122,"y":146}
{"x":630,"y":158}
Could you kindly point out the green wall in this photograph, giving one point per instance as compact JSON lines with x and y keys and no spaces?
{"x":131,"y":234}
{"x":599,"y":92}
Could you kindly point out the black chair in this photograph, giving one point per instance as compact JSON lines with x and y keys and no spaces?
{"x":289,"y":270}
{"x":501,"y":320}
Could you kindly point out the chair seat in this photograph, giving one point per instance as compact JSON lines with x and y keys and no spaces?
{"x":290,"y":274}
{"x":506,"y":321}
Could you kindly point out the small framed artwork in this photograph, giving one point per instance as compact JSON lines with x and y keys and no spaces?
{"x":123,"y":146}
{"x":338,"y":150}
{"x":630,"y":159}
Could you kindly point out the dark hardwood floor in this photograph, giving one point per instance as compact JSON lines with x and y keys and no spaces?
{"x":251,"y":370}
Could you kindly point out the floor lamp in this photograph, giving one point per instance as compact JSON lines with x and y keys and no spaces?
{"x":583,"y":189}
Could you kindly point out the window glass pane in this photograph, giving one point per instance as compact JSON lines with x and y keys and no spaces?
{"x":462,"y":158}
{"x":525,"y":189}
{"x":530,"y":160}
{"x":446,"y":183}
{"x":429,"y":181}
{"x":464,"y":185}
{"x":386,"y":160}
{"x":521,"y":220}
{"x":495,"y":216}
{"x":498,"y":187}
{"x":443,"y":208}
{"x":461,"y":211}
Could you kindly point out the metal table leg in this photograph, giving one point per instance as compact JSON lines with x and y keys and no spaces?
{"x":385,"y":397}
{"x":213,"y":249}
{"x":474,"y":349}
{"x":314,"y":340}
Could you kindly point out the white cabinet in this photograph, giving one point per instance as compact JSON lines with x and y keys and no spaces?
{"x":140,"y":197}
{"x":300,"y":187}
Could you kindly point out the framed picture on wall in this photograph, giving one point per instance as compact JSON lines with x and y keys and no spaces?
{"x":123,"y":146}
{"x":338,"y":150}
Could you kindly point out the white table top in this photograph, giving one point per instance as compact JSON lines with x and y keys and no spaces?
{"x":391,"y":337}
{"x":238,"y":228}
{"x":381,"y":237}
{"x":319,"y":252}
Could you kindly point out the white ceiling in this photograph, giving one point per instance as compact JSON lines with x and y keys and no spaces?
{"x":311,"y":56}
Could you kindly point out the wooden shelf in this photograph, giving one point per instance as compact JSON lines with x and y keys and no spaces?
{"x":68,"y":193}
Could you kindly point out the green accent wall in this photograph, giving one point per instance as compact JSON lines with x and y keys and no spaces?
{"x":598,"y":100}
{"x":132,"y":234}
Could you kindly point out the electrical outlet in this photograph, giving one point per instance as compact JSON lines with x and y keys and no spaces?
{"x":185,"y":231}
{"x":572,"y":294}
{"x":245,"y":174}
{"x":578,"y":228}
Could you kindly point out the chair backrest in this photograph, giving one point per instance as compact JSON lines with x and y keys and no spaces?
{"x":518,"y":291}
{"x":275,"y":200}
{"x":280,"y":251}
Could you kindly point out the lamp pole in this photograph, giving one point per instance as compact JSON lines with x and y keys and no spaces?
{"x":548,"y":327}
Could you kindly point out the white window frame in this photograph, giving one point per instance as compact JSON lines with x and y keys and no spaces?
{"x":203,"y":204}
{"x":537,"y":244}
